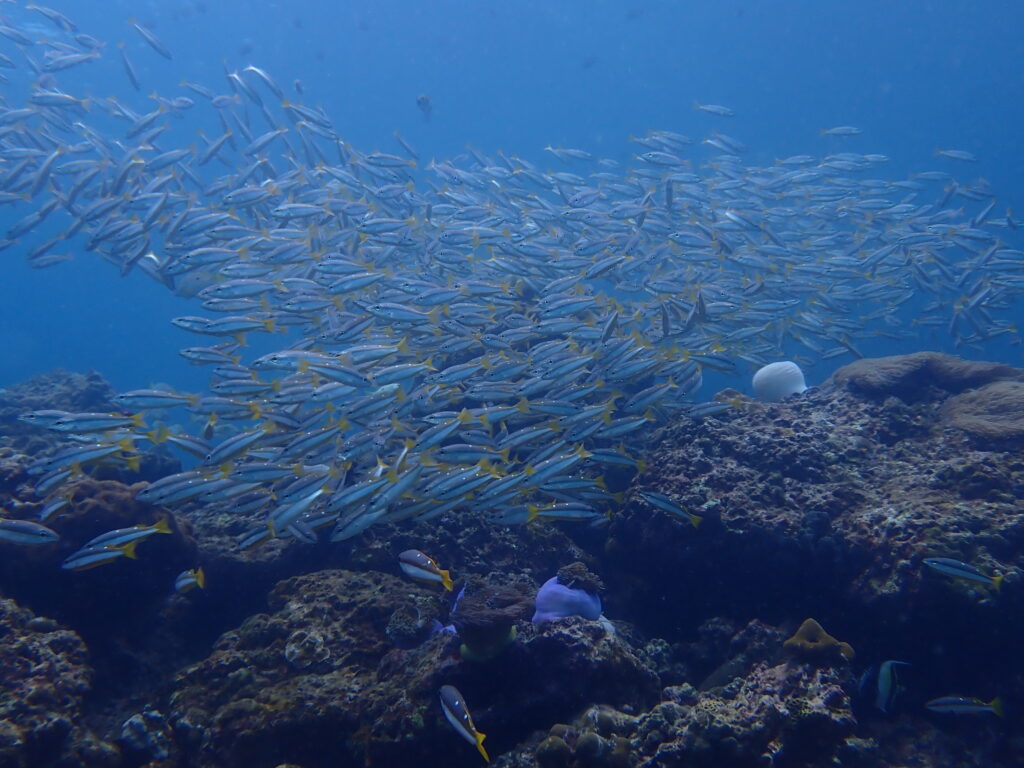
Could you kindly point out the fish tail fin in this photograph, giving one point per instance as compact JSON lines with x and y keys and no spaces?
{"x":695,"y":520}
{"x":132,"y":462}
{"x":997,"y":706}
{"x":137,"y":420}
{"x":446,"y":580}
{"x":201,"y":578}
{"x":158,"y":435}
{"x":480,"y":745}
{"x":128,"y":550}
{"x":161,"y":526}
{"x":997,"y":581}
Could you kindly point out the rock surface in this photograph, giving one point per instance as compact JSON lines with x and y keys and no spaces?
{"x":822,"y":505}
{"x":318,"y":676}
{"x":46,"y":677}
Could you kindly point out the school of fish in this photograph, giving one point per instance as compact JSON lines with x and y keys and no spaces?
{"x":476,"y":335}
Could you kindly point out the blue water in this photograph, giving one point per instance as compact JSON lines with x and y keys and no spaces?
{"x":518,"y":76}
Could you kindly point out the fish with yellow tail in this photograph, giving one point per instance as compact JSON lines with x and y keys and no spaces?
{"x":664,"y":503}
{"x":190,"y":579}
{"x":959,"y":570}
{"x":454,"y":707}
{"x":419,"y":566}
{"x":112,"y":545}
{"x":965,"y":705}
{"x":26,"y":532}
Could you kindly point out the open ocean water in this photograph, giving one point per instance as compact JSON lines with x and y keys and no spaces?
{"x":517,"y":77}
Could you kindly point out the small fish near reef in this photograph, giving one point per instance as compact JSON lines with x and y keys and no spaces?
{"x":454,"y":707}
{"x":25,"y":532}
{"x":665,"y":504}
{"x":965,"y":705}
{"x":190,"y":579}
{"x":419,"y":566}
{"x":112,"y":545}
{"x":881,"y":685}
{"x":960,"y":570}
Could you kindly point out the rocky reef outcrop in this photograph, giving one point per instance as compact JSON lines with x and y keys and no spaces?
{"x":824,"y":505}
{"x":318,"y":680}
{"x":46,"y":677}
{"x":57,"y":390}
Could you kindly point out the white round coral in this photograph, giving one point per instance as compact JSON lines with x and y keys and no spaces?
{"x":777,"y":381}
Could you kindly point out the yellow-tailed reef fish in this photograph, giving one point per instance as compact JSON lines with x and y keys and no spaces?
{"x":190,"y":579}
{"x":417,"y":565}
{"x":26,"y":533}
{"x":960,"y":570}
{"x":454,"y":707}
{"x":965,"y":705}
{"x":479,"y":336}
{"x":112,"y":545}
{"x":664,"y":503}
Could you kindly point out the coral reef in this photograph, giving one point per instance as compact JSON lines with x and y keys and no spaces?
{"x":827,"y":505}
{"x":595,"y":739}
{"x":823,"y":505}
{"x":801,"y":712}
{"x":832,"y":499}
{"x":300,"y":681}
{"x":912,"y":376}
{"x":46,"y":676}
{"x":58,"y":390}
{"x":82,"y":599}
{"x":318,"y":676}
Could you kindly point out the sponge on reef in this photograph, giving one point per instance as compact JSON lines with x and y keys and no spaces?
{"x":812,"y":642}
{"x":777,"y":381}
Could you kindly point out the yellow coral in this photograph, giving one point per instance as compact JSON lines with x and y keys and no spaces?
{"x":811,"y":640}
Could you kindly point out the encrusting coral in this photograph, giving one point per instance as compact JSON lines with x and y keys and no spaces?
{"x":905,"y":375}
{"x":812,"y":642}
{"x":992,"y":412}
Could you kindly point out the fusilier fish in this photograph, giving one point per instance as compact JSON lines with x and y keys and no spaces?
{"x":25,"y":532}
